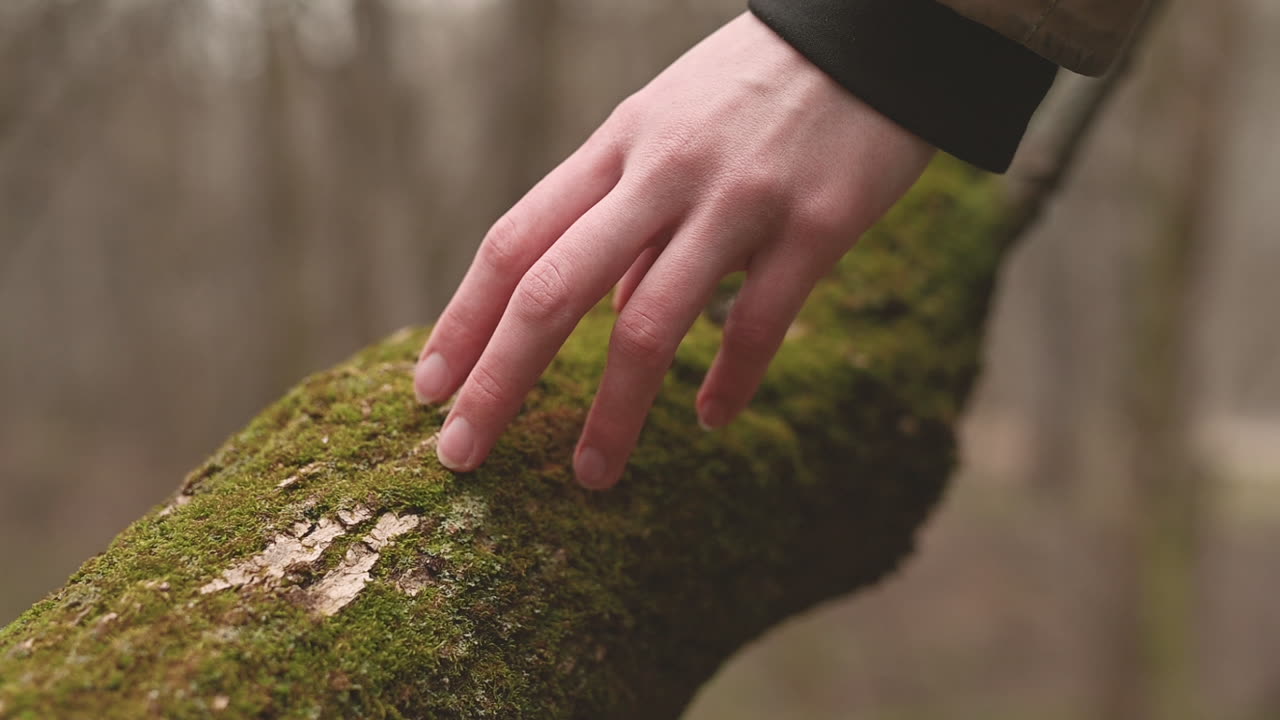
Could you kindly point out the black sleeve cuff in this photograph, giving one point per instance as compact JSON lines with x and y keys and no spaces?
{"x":956,"y":83}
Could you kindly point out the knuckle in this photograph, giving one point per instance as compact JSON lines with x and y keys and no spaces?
{"x":462,"y":325}
{"x":500,"y":249}
{"x":543,"y":295}
{"x":677,"y":152}
{"x":812,"y":225}
{"x":639,"y":337}
{"x":485,"y":386}
{"x":627,"y":111}
{"x":608,"y":144}
{"x":611,"y":149}
{"x":826,"y":218}
{"x":681,"y":156}
{"x":749,"y":338}
{"x":758,"y":188}
{"x":620,"y":130}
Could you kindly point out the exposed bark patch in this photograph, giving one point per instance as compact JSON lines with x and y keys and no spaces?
{"x":105,"y":623}
{"x":342,"y":584}
{"x":284,"y":551}
{"x":421,"y":577}
{"x":354,"y":516}
{"x":305,"y":543}
{"x":303,"y":473}
{"x":414,"y":582}
{"x":23,"y":649}
{"x":177,"y":502}
{"x":388,"y":527}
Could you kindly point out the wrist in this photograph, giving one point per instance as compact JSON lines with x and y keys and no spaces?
{"x":953,"y":82}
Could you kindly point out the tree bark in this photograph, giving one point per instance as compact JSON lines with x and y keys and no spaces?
{"x":323,"y":564}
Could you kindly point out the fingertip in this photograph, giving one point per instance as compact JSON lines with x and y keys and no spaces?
{"x":713,"y":414}
{"x":431,"y":379}
{"x":457,"y":445}
{"x":419,"y":397}
{"x":591,"y":470}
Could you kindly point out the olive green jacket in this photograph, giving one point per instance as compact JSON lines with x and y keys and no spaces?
{"x":1080,"y":35}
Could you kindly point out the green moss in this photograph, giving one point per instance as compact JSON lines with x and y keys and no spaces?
{"x":520,"y":594}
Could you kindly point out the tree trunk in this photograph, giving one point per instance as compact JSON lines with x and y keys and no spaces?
{"x":1167,"y":506}
{"x":323,"y":564}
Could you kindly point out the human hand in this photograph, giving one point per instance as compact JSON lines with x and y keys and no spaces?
{"x":742,"y":155}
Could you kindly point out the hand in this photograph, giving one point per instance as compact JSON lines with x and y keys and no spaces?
{"x":742,"y":155}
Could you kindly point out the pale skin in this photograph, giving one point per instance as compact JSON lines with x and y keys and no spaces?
{"x":742,"y":155}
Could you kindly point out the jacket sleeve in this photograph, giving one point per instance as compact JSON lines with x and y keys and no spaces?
{"x":1080,"y":35}
{"x":953,"y":81}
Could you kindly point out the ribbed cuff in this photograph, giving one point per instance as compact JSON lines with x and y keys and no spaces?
{"x":954,"y":82}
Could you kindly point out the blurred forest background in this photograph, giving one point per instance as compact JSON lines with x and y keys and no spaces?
{"x":203,"y":200}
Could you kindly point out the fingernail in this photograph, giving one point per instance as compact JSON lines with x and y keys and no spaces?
{"x":589,"y":469}
{"x":457,"y":441}
{"x":712,"y":415}
{"x":431,"y":378}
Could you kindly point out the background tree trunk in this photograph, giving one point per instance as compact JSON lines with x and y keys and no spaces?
{"x":1161,"y":517}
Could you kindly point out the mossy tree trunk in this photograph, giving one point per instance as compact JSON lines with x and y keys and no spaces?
{"x":322,"y":564}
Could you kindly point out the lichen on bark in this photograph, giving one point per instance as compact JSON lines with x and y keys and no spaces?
{"x":513,"y":593}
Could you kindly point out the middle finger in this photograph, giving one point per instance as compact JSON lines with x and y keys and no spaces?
{"x":645,"y":337}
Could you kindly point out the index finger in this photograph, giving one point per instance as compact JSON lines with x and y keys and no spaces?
{"x":546,"y":306}
{"x":507,"y":252}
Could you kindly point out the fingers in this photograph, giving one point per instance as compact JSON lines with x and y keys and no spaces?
{"x":649,"y":329}
{"x":545,"y":306}
{"x":627,"y":285}
{"x":774,"y":291}
{"x":507,"y":252}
